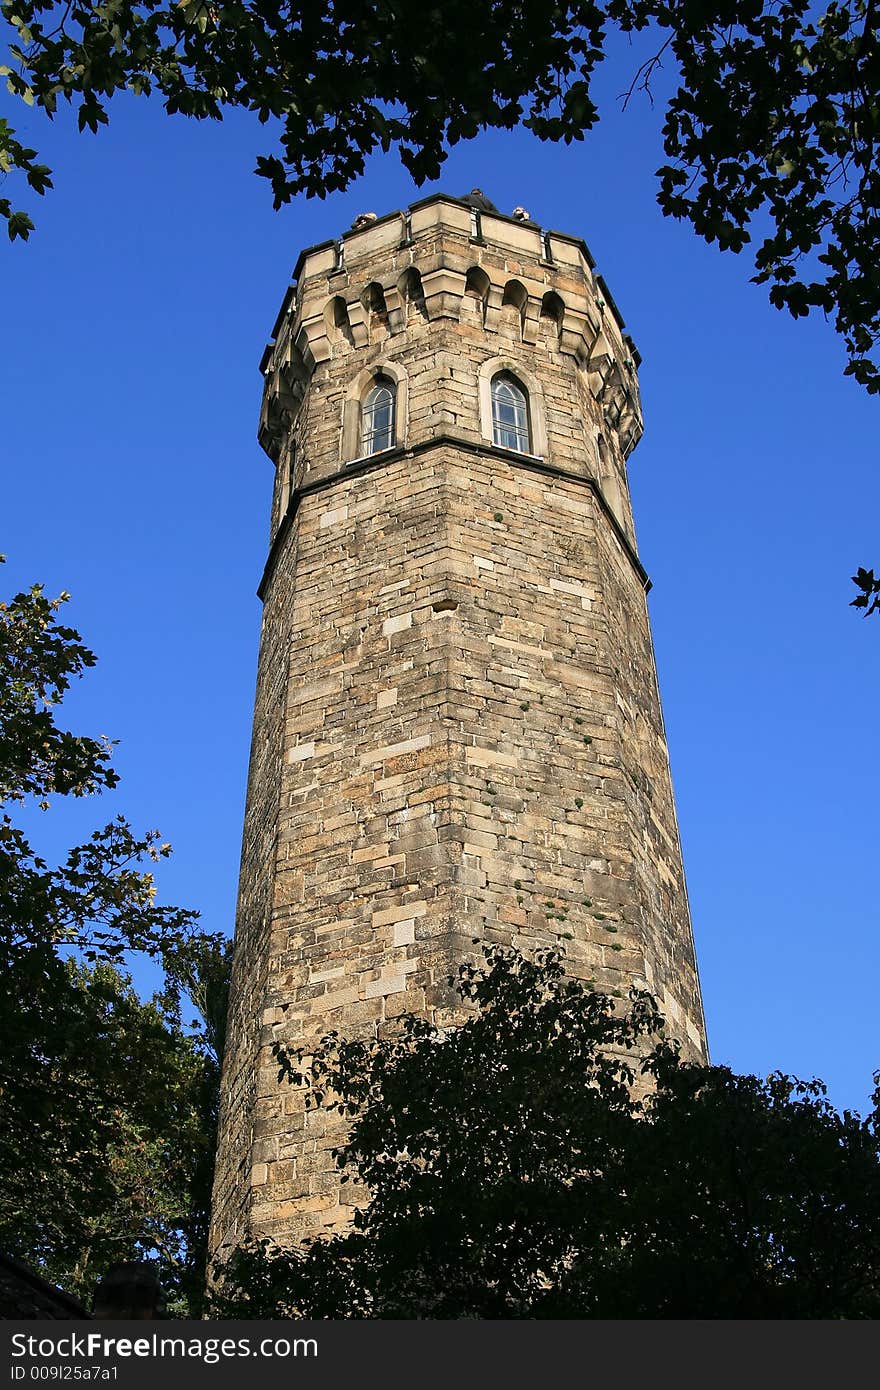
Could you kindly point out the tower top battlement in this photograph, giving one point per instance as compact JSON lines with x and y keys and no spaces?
{"x":356,"y":294}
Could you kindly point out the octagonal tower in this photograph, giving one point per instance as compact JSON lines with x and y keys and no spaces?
{"x":457,"y":733}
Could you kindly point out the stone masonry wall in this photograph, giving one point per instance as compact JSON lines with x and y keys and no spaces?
{"x":457,"y":731}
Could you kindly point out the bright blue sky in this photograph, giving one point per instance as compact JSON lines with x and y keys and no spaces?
{"x":133,"y":323}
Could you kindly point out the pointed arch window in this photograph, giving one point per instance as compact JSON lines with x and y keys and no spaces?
{"x":377,"y":417}
{"x":510,"y":414}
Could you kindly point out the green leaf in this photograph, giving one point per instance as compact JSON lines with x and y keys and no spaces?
{"x":19,"y":225}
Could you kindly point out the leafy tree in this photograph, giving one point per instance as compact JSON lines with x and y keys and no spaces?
{"x":777,"y":111}
{"x":513,"y":1170}
{"x":107,"y":1104}
{"x":106,"y":1108}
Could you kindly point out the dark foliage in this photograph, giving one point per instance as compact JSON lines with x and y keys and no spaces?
{"x":107,"y":1104}
{"x":512,"y":1169}
{"x":869,"y":596}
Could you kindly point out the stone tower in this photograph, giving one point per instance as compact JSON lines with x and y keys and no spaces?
{"x":457,"y":731}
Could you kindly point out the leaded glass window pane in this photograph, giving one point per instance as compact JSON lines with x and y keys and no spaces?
{"x":378,"y":419}
{"x":510,"y":415}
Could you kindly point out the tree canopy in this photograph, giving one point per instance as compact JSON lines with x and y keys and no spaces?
{"x":107,"y":1104}
{"x":554,"y":1158}
{"x":771,"y":133}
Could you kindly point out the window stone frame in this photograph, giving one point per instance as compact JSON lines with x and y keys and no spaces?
{"x":534,"y":399}
{"x":353,"y":403}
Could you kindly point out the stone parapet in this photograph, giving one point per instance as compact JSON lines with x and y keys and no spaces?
{"x":458,"y":276}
